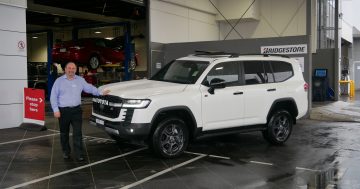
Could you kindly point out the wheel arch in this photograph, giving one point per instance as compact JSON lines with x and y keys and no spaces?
{"x":182,"y":112}
{"x":288,"y":104}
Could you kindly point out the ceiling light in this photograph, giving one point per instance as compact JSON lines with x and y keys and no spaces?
{"x":35,"y":37}
{"x":109,"y":38}
{"x":97,"y":32}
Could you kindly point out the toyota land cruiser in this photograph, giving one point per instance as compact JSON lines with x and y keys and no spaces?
{"x":205,"y":93}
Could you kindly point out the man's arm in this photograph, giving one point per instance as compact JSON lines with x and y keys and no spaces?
{"x":54,"y":99}
{"x":88,"y":88}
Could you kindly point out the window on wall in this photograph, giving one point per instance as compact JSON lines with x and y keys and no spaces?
{"x":326,"y":24}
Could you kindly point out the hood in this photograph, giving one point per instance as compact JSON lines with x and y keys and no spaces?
{"x":139,"y":89}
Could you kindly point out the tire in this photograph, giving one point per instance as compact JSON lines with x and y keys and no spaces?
{"x":94,"y":63}
{"x":279,"y":127}
{"x":170,"y":138}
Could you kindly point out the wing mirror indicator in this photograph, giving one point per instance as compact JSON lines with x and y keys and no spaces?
{"x":216,"y":83}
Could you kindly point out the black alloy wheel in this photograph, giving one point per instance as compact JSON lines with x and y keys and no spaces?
{"x":170,"y":137}
{"x":279,"y":127}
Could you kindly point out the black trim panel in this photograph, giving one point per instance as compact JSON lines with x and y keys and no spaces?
{"x":140,"y":131}
{"x":232,"y":130}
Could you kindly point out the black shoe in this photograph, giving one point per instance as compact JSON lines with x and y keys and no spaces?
{"x":80,"y":159}
{"x":66,"y":156}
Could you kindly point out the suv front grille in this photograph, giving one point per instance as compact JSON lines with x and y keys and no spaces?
{"x":108,"y":106}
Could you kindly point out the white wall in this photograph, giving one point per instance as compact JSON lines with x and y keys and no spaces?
{"x":348,"y":12}
{"x":277,"y":18}
{"x":182,"y":21}
{"x":13,"y":76}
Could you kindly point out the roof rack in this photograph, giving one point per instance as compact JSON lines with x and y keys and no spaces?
{"x":214,"y":53}
{"x":266,"y":55}
{"x":233,"y":55}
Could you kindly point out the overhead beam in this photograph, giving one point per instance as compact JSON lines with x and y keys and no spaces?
{"x":72,"y":13}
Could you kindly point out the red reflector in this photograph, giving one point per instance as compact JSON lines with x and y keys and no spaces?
{"x":306,"y":86}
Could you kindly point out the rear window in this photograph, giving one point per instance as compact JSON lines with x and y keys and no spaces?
{"x":282,"y":70}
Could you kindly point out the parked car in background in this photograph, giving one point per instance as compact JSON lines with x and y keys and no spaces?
{"x":91,"y":52}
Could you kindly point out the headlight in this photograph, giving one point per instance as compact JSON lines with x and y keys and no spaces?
{"x":135,"y":103}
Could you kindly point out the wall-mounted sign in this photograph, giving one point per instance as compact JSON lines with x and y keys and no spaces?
{"x":284,"y":49}
{"x":21,"y":45}
{"x":158,"y":65}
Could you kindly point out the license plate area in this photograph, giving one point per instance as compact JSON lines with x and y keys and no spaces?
{"x":99,"y":121}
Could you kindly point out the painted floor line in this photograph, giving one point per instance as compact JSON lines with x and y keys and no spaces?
{"x":262,"y":163}
{"x":92,"y":137}
{"x":26,"y":139}
{"x":220,"y":157}
{"x":307,"y":169}
{"x":86,"y":136}
{"x":72,"y":170}
{"x":162,"y":172}
{"x":213,"y":156}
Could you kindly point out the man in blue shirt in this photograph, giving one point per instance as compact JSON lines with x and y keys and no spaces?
{"x":65,"y":101}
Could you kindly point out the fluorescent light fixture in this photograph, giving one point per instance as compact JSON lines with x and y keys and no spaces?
{"x":109,"y":38}
{"x":35,"y":37}
{"x":97,"y":32}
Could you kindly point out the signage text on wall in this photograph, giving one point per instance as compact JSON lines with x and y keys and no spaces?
{"x":285,"y":49}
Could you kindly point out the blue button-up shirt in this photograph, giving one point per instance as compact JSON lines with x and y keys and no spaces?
{"x":67,"y":93}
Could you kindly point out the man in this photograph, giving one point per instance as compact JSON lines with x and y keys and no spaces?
{"x":65,"y":101}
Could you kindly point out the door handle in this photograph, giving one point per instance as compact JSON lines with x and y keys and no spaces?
{"x":238,"y":93}
{"x":271,"y":90}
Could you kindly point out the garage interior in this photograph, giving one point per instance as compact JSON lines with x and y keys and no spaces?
{"x":53,"y":23}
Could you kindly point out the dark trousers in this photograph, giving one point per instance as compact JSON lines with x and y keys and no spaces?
{"x":73,"y":117}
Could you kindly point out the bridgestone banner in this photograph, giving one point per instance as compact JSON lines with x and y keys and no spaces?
{"x":284,"y":49}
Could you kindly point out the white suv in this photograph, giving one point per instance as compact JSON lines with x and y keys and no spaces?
{"x":206,"y":93}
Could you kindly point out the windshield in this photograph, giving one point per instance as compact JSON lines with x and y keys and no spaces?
{"x":181,"y":71}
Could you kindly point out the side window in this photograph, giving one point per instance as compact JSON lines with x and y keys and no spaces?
{"x":282,"y":71}
{"x":228,"y":71}
{"x":254,"y":72}
{"x":268,"y":75}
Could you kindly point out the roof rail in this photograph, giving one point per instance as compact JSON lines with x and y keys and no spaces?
{"x":233,"y":55}
{"x":266,"y":55}
{"x":199,"y":53}
{"x":281,"y":55}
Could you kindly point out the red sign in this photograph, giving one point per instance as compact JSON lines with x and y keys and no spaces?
{"x":34,"y":104}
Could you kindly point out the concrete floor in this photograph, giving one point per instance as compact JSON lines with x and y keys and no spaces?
{"x":319,"y":154}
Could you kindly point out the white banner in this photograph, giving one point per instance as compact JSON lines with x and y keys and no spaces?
{"x":284,"y":49}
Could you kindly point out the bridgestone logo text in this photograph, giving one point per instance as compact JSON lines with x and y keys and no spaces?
{"x":284,"y":50}
{"x":101,"y":101}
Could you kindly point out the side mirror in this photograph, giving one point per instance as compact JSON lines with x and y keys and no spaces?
{"x":216,"y":83}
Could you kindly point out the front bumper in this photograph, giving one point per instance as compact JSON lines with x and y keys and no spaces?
{"x":123,"y":130}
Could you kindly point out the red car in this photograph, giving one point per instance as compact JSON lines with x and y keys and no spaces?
{"x":90,"y":52}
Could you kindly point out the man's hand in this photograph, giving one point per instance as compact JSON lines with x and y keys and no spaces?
{"x":105,"y":92}
{"x":57,"y":114}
